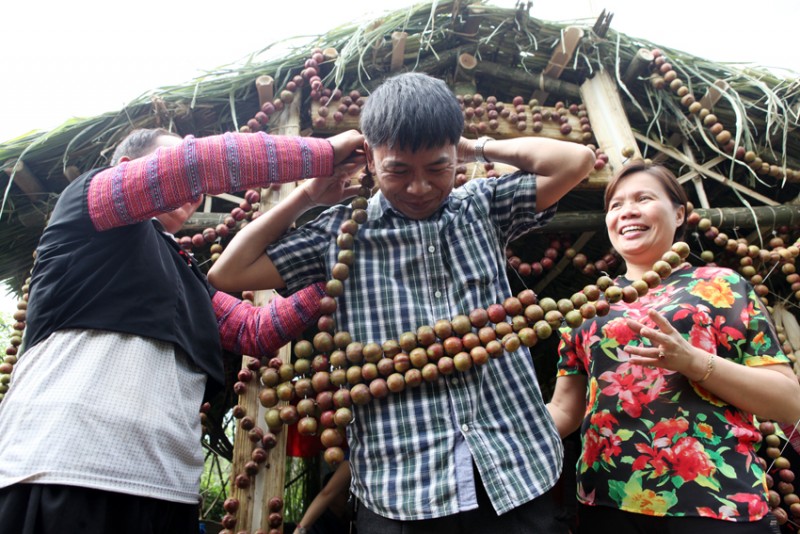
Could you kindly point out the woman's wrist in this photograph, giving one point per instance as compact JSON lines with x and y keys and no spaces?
{"x":710,"y":361}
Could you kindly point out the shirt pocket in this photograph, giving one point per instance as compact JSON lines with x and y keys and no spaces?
{"x":472,"y":253}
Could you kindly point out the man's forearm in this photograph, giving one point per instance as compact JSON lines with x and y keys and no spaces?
{"x":244,"y":264}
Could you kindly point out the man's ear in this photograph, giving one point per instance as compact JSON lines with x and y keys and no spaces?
{"x":369,"y":156}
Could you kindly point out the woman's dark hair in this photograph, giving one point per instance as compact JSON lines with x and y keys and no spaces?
{"x":139,"y":143}
{"x":667,"y":179}
{"x":412,"y":111}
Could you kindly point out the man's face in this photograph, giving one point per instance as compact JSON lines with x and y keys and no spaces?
{"x":415,"y":183}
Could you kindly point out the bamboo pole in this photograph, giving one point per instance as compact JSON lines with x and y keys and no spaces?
{"x":265,"y":88}
{"x":743,"y":218}
{"x":609,"y":121}
{"x":510,"y":76}
{"x":398,"y":50}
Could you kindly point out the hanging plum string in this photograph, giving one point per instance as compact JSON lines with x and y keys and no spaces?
{"x":14,"y":340}
{"x":665,"y":77}
{"x":783,"y":500}
{"x":547,"y":262}
{"x":332,"y":372}
{"x":247,"y":210}
{"x":754,"y":263}
{"x":557,"y":248}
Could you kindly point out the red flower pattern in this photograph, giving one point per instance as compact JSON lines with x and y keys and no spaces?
{"x":678,"y":441}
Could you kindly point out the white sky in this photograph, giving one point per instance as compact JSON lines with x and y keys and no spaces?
{"x":86,"y":57}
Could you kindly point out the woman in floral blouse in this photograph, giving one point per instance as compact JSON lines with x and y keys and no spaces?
{"x":664,"y":389}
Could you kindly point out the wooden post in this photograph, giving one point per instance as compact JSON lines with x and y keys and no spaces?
{"x":638,"y":65}
{"x":609,"y":121}
{"x":273,"y":477}
{"x":242,"y":449}
{"x":464,"y":77}
{"x":562,"y":55}
{"x":269,"y":481}
{"x":714,"y":93}
{"x":266,"y":92}
{"x":398,"y":50}
{"x":24,"y":178}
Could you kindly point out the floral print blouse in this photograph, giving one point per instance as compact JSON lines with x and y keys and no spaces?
{"x":655,"y":442}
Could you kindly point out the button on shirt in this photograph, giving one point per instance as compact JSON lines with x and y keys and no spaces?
{"x":410,"y":451}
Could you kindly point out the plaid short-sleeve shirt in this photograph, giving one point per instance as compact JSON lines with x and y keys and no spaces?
{"x":408,"y":273}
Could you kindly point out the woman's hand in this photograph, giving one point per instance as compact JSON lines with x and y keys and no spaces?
{"x":668,"y":350}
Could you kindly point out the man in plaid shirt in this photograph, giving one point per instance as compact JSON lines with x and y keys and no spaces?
{"x":473,"y":451}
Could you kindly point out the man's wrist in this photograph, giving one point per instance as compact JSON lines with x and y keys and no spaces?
{"x":480,"y":143}
{"x":300,"y":530}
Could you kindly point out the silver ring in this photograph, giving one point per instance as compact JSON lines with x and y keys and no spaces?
{"x":661,"y":355}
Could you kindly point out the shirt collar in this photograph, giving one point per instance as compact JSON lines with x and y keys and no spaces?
{"x":380,"y":206}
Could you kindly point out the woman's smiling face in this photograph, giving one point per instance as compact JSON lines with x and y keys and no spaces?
{"x":642,"y":219}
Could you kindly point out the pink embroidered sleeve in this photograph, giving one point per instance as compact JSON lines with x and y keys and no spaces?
{"x":140,"y":189}
{"x":247,"y":329}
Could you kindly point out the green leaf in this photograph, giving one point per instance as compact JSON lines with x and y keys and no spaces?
{"x":624,"y":434}
{"x":706,"y":482}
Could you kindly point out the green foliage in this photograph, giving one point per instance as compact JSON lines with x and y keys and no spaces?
{"x":214,"y":486}
{"x":6,"y":327}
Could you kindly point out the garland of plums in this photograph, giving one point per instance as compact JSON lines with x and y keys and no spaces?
{"x":333,"y":372}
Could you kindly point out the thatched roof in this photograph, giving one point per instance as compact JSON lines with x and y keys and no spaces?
{"x":759,"y":109}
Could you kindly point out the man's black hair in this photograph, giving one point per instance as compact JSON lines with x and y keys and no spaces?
{"x":412,"y":111}
{"x":139,"y":143}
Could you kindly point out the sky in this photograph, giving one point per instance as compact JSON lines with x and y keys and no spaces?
{"x":83,"y":58}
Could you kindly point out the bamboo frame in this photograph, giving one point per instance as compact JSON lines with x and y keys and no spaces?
{"x":674,"y":154}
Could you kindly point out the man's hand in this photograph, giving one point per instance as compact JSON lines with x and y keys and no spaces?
{"x":465,"y":151}
{"x":332,"y":189}
{"x":347,"y":146}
